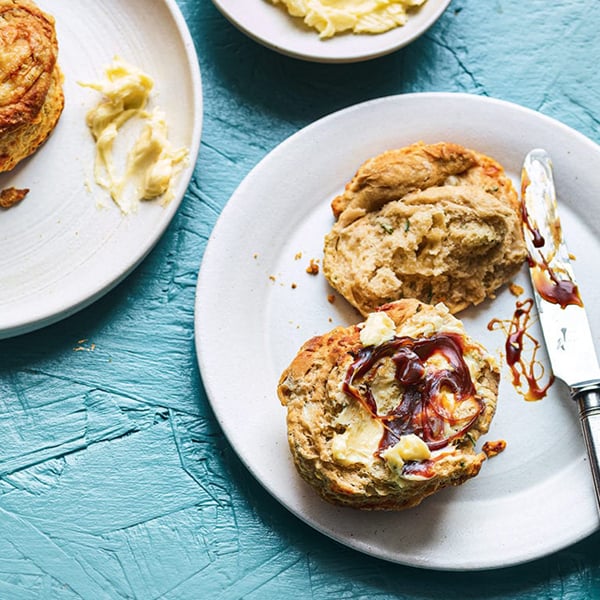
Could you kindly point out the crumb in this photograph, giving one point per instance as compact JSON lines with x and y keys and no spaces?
{"x":572,"y":256}
{"x":494,"y":448}
{"x":294,"y":286}
{"x":255,"y":255}
{"x":272,"y":277}
{"x":11,"y":196}
{"x":83,"y":348}
{"x":330,"y":320}
{"x":313,"y":267}
{"x":515,"y":289}
{"x":331,"y":298}
{"x":298,"y":256}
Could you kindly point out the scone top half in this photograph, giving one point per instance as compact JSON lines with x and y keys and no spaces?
{"x":436,"y":222}
{"x":28,"y":54}
{"x":382,"y":414}
{"x":31,"y":94}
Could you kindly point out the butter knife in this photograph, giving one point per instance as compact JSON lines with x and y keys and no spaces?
{"x":561,"y":311}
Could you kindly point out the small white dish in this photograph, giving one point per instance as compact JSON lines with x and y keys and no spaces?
{"x":273,"y":27}
{"x":66,"y":244}
{"x":256,"y":305}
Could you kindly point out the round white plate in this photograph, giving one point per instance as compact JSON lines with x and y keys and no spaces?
{"x":256,"y":305}
{"x":66,"y":243}
{"x":272,"y":26}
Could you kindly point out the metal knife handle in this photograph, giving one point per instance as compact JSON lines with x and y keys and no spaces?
{"x":589,"y":413}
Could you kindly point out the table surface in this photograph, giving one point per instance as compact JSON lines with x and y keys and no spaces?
{"x":120,"y":439}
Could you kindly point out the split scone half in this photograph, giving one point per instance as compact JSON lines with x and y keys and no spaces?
{"x":31,"y":93}
{"x":382,"y":414}
{"x":438,"y":222}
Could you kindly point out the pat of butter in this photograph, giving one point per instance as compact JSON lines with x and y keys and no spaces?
{"x":358,"y":444}
{"x":329,"y":17}
{"x":408,"y":447}
{"x":377,"y":329}
{"x":151,"y":162}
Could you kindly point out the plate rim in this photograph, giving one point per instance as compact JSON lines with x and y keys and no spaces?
{"x":207,"y":377}
{"x":325,"y":58}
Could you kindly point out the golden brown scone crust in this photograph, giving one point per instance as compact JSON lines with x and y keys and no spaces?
{"x":311,"y":389}
{"x":436,"y":222}
{"x":31,"y":96}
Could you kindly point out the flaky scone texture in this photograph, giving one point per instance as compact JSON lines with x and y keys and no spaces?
{"x":31,"y":95}
{"x":335,"y":440}
{"x":436,"y":222}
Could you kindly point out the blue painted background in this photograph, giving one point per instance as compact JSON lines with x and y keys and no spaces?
{"x":115,"y":480}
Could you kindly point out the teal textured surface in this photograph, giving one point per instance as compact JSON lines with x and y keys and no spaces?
{"x":115,"y":478}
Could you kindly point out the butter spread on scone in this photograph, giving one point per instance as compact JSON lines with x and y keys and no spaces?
{"x":436,"y":222}
{"x":377,"y":329}
{"x":151,"y":163}
{"x":330,"y":17}
{"x":31,"y":95}
{"x":386,"y":424}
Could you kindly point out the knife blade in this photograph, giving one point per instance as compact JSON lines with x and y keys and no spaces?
{"x":562,"y":315}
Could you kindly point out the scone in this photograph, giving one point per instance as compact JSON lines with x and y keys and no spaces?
{"x":437,"y":222}
{"x":382,"y":414}
{"x":31,"y":95}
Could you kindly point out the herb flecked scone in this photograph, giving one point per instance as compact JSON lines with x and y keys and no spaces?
{"x":437,"y":222}
{"x":31,"y":94}
{"x":382,"y":414}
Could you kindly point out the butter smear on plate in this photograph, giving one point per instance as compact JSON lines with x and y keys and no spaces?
{"x":329,"y":17}
{"x":150,"y":161}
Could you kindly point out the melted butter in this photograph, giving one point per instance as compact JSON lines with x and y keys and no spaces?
{"x":329,"y":17}
{"x":426,"y":325}
{"x":377,"y":329}
{"x":151,"y":162}
{"x":359,"y":442}
{"x":408,"y":447}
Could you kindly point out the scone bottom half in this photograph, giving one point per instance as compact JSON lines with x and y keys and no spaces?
{"x":382,"y":414}
{"x":435,"y":222}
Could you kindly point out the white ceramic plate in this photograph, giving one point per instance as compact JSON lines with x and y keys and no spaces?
{"x":273,"y":27}
{"x":531,"y":500}
{"x":59,"y":250}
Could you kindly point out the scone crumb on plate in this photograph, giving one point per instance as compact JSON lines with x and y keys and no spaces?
{"x":515,"y":289}
{"x":493,"y":448}
{"x":313,"y":267}
{"x":11,"y":196}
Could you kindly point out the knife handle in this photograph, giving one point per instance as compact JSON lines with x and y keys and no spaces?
{"x":589,"y":413}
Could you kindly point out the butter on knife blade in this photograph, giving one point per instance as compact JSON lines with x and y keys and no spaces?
{"x":562,"y":315}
